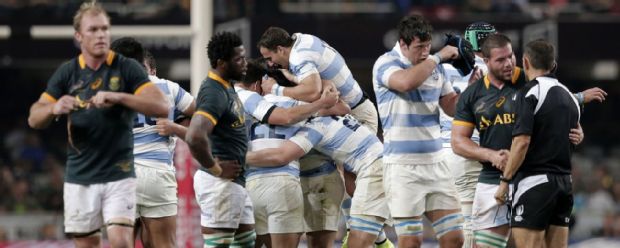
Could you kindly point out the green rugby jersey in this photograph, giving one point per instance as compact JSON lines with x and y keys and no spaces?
{"x":100,"y":139}
{"x":492,"y":112}
{"x":218,"y":101}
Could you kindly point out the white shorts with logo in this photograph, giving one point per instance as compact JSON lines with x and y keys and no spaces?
{"x":485,"y":211}
{"x":156,"y":192}
{"x":465,"y":173}
{"x":369,"y":196}
{"x":413,"y":189}
{"x":323,"y":196}
{"x":223,"y":203}
{"x":89,"y":207}
{"x":366,"y":114}
{"x":278,"y":204}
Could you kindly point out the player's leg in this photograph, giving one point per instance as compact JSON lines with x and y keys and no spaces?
{"x":82,"y":214}
{"x":245,"y":237}
{"x":368,"y":206}
{"x":556,"y":236}
{"x":157,"y":206}
{"x":442,"y":204}
{"x":490,"y":220}
{"x":118,"y":207}
{"x":465,"y":173}
{"x":218,"y":223}
{"x":284,"y":209}
{"x":323,"y":191}
{"x":528,"y":238}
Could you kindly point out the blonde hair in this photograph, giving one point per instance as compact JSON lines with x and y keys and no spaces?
{"x":88,"y":7}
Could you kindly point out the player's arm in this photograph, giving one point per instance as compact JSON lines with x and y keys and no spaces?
{"x":448,"y":103}
{"x":308,"y":90}
{"x":518,"y":149}
{"x":43,"y":111}
{"x":147,"y":99}
{"x":197,"y":138}
{"x":413,"y":77}
{"x":339,"y":109}
{"x":592,"y":94}
{"x":275,"y":157}
{"x":166,"y":127}
{"x":288,"y":116}
{"x":465,"y":147}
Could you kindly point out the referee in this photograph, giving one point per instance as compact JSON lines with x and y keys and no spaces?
{"x":540,"y":154}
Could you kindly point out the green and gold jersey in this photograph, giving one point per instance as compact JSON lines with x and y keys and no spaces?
{"x":100,"y":139}
{"x":492,"y":112}
{"x":218,"y":102}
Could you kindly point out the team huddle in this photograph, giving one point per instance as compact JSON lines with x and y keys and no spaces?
{"x":288,"y":143}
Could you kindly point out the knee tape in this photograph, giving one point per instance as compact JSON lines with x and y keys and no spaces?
{"x":491,"y":239}
{"x":214,"y":240}
{"x":244,"y":240}
{"x":408,"y":227}
{"x":366,"y":223}
{"x":448,"y":223}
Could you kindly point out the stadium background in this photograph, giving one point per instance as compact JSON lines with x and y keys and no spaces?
{"x":32,"y":162}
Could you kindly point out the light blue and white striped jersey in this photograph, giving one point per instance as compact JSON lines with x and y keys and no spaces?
{"x":262,"y":135}
{"x":459,"y":83}
{"x":311,"y":55}
{"x":410,"y":120}
{"x":259,"y":109}
{"x":343,"y":139}
{"x":150,"y":148}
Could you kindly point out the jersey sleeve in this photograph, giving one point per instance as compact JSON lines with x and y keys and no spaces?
{"x":306,"y":138}
{"x":134,"y":75}
{"x":525,"y":105}
{"x":464,"y":115}
{"x":384,"y":67}
{"x":182,"y":99}
{"x":304,"y":63}
{"x":255,"y":105}
{"x":212,"y":103}
{"x":57,"y":84}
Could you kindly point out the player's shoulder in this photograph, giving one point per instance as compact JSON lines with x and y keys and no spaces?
{"x":389,"y":58}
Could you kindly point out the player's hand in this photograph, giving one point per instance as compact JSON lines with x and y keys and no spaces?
{"x":165,"y":127}
{"x":499,"y":159}
{"x":448,"y":53}
{"x":267,"y":84}
{"x":592,"y":94}
{"x":105,"y":99}
{"x":501,"y":195}
{"x":475,"y":75}
{"x":64,"y":105}
{"x":329,"y":97}
{"x":576,"y":135}
{"x":230,"y":169}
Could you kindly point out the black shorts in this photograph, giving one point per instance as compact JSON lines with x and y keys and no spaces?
{"x":542,"y":200}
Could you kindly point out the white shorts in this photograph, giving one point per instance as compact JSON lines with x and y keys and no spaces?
{"x":369,"y":196}
{"x":323,"y":196}
{"x":278,"y":204}
{"x":465,"y":173}
{"x":223,"y":204}
{"x":485,"y":211}
{"x":88,"y":207}
{"x":366,"y":114}
{"x":412,"y":190}
{"x":156,"y":192}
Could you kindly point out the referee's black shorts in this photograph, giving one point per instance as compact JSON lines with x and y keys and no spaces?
{"x":542,"y":200}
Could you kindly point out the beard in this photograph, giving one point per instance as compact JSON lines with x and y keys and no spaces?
{"x":498,"y":74}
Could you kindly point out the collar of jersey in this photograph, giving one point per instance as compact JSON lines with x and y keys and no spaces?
{"x":108,"y":60}
{"x":515,"y":77}
{"x":220,"y":80}
{"x":400,"y":54}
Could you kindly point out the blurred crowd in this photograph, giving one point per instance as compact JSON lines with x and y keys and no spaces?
{"x":177,"y":11}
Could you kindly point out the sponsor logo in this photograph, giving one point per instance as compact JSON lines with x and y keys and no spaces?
{"x":519,"y":211}
{"x":95,"y":85}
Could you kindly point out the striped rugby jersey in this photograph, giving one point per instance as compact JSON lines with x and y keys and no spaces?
{"x":150,"y":148}
{"x":459,"y":83}
{"x":410,"y":120}
{"x":310,"y":55}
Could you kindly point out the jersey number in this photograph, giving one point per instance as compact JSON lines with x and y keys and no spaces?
{"x":262,"y":131}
